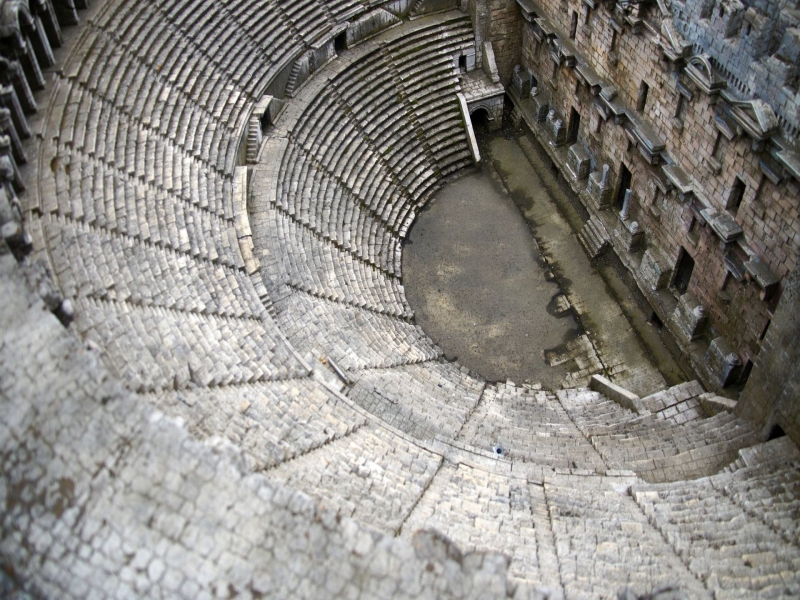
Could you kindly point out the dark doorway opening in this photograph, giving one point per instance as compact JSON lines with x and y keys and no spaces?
{"x":641,"y":101}
{"x":480,"y":120}
{"x":574,"y":125}
{"x":736,"y":195}
{"x":462,"y":63}
{"x":776,"y":432}
{"x":683,"y":272}
{"x":340,"y":42}
{"x":624,"y":184}
{"x":266,"y":120}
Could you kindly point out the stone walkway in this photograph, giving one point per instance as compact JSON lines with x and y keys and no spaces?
{"x":622,"y":354}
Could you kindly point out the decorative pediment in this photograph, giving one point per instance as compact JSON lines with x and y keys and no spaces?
{"x":673,"y":45}
{"x":756,"y":117}
{"x":700,"y":70}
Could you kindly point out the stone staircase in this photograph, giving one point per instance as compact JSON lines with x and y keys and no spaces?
{"x":594,"y":237}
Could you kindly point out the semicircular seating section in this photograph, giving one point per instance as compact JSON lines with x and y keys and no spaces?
{"x":137,"y":204}
{"x":301,"y":391}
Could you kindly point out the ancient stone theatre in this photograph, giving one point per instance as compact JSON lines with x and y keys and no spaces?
{"x":216,"y":380}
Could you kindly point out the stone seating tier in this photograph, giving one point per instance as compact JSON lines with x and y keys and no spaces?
{"x":320,"y":268}
{"x":271,"y":422}
{"x":153,"y":348}
{"x":657,"y":449}
{"x":354,"y":338}
{"x":105,"y":265}
{"x":139,"y":222}
{"x":732,"y":544}
{"x":370,"y":475}
{"x":529,"y":426}
{"x":423,"y":400}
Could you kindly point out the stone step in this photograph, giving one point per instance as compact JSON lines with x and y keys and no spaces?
{"x":594,"y":237}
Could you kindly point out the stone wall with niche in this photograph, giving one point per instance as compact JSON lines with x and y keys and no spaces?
{"x":712,"y":174}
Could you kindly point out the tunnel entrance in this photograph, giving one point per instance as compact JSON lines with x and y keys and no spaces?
{"x":480,"y":120}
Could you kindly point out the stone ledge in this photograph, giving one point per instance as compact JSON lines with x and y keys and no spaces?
{"x":618,"y":394}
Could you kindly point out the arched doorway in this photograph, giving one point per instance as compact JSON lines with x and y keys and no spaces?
{"x":480,"y":120}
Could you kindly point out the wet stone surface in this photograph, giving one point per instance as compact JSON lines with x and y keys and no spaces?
{"x":479,"y":287}
{"x":496,"y":275}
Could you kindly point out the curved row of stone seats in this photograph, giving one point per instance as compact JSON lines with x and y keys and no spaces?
{"x":320,"y":268}
{"x":121,"y":502}
{"x":342,"y":10}
{"x":481,"y":510}
{"x":329,"y":210}
{"x":122,"y":111}
{"x":658,"y":450}
{"x":264,"y":24}
{"x":428,"y":93}
{"x":341,"y":148}
{"x":372,"y":475}
{"x":271,"y":422}
{"x":355,"y":338}
{"x":737,"y":532}
{"x":768,"y":487}
{"x":529,"y":425}
{"x":604,"y":541}
{"x":307,"y":17}
{"x":97,"y":194}
{"x":424,"y":400}
{"x":367,"y":150}
{"x":97,"y":263}
{"x":146,"y":128}
{"x":211,"y":29}
{"x":154,"y":348}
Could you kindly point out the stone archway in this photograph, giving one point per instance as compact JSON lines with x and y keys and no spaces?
{"x":493,"y":109}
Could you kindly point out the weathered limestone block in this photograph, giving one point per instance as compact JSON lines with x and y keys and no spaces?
{"x":599,"y":188}
{"x":368,"y":25}
{"x":578,"y":161}
{"x":540,"y":101}
{"x":556,"y":128}
{"x":690,"y":316}
{"x":723,"y":362}
{"x":630,"y":233}
{"x":521,"y":82}
{"x":654,"y":269}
